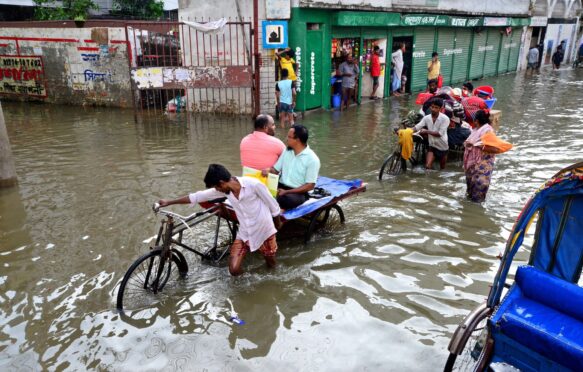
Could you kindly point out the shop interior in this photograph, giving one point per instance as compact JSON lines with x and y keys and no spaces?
{"x":367,"y":82}
{"x":407,"y":59}
{"x":340,"y":49}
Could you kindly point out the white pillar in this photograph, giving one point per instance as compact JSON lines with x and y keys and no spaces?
{"x":7,"y":170}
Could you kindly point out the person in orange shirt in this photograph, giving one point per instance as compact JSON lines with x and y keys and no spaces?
{"x":261,"y":149}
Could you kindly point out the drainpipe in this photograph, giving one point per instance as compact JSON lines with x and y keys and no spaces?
{"x":256,"y":56}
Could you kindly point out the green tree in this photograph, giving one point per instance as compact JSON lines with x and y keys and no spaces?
{"x":47,"y":10}
{"x":143,"y":9}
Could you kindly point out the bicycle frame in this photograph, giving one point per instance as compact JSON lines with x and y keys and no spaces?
{"x":167,"y":233}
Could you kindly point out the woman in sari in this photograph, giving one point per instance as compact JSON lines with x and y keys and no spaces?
{"x":478,"y":165}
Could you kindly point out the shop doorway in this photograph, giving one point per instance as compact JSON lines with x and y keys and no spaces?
{"x":341,"y":49}
{"x":367,"y":68}
{"x":537,"y":39}
{"x":407,"y":59}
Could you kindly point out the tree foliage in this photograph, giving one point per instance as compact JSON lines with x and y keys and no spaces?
{"x":48,"y":10}
{"x":142,"y":9}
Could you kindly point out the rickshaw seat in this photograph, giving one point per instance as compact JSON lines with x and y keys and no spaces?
{"x":544,"y":314}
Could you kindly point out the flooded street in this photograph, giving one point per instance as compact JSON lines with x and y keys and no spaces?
{"x":384,"y":293}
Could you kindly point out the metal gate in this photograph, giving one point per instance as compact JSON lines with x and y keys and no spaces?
{"x":175,"y":68}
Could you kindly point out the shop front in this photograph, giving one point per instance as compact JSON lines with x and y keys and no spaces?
{"x":468,"y":47}
{"x":563,"y":32}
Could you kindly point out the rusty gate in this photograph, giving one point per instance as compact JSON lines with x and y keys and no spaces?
{"x":176,"y":67}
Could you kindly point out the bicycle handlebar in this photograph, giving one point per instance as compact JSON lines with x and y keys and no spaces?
{"x":157,"y":210}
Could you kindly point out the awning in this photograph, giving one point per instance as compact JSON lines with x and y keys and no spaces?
{"x":170,"y":5}
{"x":18,"y":2}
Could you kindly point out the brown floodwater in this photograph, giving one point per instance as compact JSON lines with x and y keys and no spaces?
{"x":385,"y":292}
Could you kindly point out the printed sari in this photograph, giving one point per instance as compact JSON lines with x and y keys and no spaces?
{"x":478,"y":166}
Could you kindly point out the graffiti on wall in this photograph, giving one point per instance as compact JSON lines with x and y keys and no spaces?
{"x":93,"y":66}
{"x":22,"y":75}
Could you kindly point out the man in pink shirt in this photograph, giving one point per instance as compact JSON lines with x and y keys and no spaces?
{"x":260,"y":149}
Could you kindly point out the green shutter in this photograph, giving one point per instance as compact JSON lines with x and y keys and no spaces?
{"x":515,"y":50}
{"x":445,"y":46}
{"x":423,"y":47}
{"x":504,"y":53}
{"x":492,"y":52}
{"x":312,"y":77}
{"x":463,"y":41}
{"x":478,"y":55}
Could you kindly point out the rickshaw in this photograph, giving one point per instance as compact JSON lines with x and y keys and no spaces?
{"x":210,"y":234}
{"x":538,"y":324}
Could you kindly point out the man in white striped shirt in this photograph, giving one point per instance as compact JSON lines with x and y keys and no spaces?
{"x":256,"y":211}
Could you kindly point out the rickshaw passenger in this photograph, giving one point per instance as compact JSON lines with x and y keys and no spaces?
{"x":298,"y":168}
{"x":261,"y":149}
{"x":436,"y":124}
{"x":255,"y":208}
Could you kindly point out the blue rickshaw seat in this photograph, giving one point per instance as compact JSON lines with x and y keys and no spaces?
{"x":544,"y":314}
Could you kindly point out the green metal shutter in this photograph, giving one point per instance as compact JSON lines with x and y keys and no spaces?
{"x":463,"y":41}
{"x":422,"y":49}
{"x":492,"y":52}
{"x":445,"y":46}
{"x":478,"y":55}
{"x":504,"y":53}
{"x":312,"y":74}
{"x":515,"y":49}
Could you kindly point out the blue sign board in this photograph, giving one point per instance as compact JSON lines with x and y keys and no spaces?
{"x":274,"y":34}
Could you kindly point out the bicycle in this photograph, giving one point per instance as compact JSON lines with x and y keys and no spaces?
{"x":165,"y":264}
{"x":394,"y":164}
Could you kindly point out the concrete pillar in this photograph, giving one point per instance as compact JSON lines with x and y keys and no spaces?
{"x":7,"y":170}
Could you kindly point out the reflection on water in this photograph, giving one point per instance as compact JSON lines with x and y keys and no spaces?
{"x":413,"y":258}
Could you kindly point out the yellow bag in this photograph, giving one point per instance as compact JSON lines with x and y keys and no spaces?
{"x":493,"y":144}
{"x":270,"y":181}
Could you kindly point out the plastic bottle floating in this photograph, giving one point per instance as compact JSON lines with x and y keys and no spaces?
{"x":234,"y":316}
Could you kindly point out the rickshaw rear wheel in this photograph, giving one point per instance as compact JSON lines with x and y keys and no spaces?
{"x":476,"y":352}
{"x":327,"y":219}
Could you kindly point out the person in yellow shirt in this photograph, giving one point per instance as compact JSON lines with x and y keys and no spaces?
{"x":433,"y":67}
{"x":286,"y":62}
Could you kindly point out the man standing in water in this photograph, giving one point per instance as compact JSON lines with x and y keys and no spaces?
{"x":256,"y":211}
{"x":285,"y":94}
{"x":398,"y":63}
{"x":532,"y":58}
{"x":436,"y":125}
{"x":349,"y":71}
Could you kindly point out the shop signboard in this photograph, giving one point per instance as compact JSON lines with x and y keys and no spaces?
{"x":496,"y":21}
{"x":538,"y":21}
{"x":366,"y":19}
{"x":414,"y":20}
{"x":274,"y":34}
{"x":22,"y":75}
{"x":424,"y":20}
{"x":277,"y":9}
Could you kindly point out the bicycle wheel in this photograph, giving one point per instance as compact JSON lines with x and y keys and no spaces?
{"x":325,"y":221}
{"x":475,"y":352}
{"x":418,"y":154}
{"x":147,"y":276}
{"x":391,"y":167}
